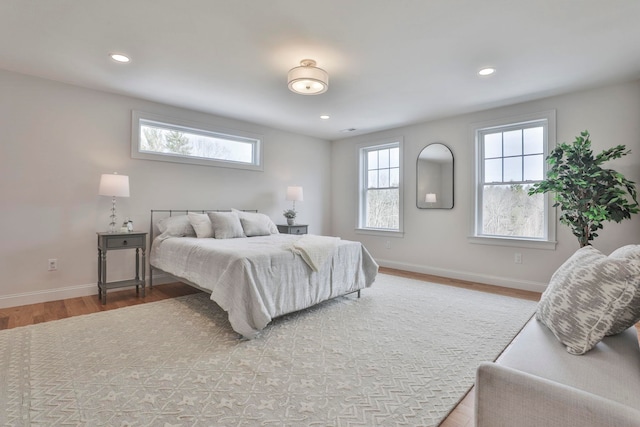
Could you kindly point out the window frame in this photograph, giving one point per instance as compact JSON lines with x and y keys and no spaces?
{"x":171,"y":123}
{"x":547,"y":242}
{"x":362,"y":150}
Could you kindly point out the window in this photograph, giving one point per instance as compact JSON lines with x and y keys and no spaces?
{"x":171,"y":140}
{"x":380,"y":200}
{"x":510,"y":158}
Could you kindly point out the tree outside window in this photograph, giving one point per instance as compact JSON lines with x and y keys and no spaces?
{"x":511,"y":162}
{"x":380,"y":194}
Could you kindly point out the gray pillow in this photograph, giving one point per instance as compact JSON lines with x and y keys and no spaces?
{"x":201,"y":224}
{"x":585,"y":297}
{"x":256,"y":224}
{"x":631,"y":313}
{"x":226,"y":225}
{"x":176,"y":226}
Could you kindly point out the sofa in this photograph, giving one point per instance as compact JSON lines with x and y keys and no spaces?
{"x":577,"y":361}
{"x":536,"y":382}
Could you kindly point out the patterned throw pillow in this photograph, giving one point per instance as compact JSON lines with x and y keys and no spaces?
{"x":585,"y":297}
{"x":631,"y":314}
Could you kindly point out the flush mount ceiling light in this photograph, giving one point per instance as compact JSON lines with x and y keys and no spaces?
{"x":487,"y":71}
{"x":118,"y":57}
{"x":307,"y":79}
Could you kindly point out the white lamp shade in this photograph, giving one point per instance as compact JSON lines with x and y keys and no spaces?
{"x":294,"y":194}
{"x":114,"y":185}
{"x":307,"y":79}
{"x":430,"y":198}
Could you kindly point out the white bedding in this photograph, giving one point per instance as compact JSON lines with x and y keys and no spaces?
{"x":256,"y":279}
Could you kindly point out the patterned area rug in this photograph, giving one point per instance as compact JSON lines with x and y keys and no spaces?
{"x":404,"y":354}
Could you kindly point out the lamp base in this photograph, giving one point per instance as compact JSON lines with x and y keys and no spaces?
{"x":112,"y":224}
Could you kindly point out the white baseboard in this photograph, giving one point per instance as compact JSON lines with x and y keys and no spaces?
{"x":47,"y":295}
{"x":36,"y":297}
{"x":463,"y":275}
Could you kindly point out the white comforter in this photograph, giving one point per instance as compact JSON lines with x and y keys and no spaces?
{"x":256,"y":279}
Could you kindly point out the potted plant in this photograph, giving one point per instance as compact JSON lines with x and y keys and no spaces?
{"x":290,"y":214}
{"x":587,"y":194}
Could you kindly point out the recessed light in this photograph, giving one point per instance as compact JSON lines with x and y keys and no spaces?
{"x":487,"y":71}
{"x":118,"y":57}
{"x":348,"y":130}
{"x":325,"y":117}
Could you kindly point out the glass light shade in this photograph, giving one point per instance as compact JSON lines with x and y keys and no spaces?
{"x":307,"y":79}
{"x":114,"y":185}
{"x":294,"y":194}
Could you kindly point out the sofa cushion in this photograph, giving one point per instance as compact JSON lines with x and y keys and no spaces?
{"x":610,"y":370}
{"x":585,"y":296}
{"x":631,"y":314}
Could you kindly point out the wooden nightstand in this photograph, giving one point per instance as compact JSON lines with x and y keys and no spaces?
{"x":113,"y":241}
{"x":292,"y":229}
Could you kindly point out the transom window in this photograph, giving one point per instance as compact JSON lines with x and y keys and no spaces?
{"x":158,"y":138}
{"x":380,"y":187}
{"x":510,"y":160}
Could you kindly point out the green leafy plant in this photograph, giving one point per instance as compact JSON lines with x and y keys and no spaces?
{"x":587,"y":194}
{"x":290,"y":213}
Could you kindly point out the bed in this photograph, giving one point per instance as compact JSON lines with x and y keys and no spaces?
{"x":254,"y":273}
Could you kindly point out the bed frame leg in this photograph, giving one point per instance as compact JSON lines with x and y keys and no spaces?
{"x":150,"y":277}
{"x":358,"y":293}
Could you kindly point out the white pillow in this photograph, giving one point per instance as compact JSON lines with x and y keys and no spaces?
{"x":585,"y":297}
{"x":256,"y":224}
{"x":201,"y":224}
{"x":176,"y":226}
{"x":226,"y":225}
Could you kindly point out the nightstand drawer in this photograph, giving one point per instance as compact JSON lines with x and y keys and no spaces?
{"x":295,"y":229}
{"x":124,"y":242}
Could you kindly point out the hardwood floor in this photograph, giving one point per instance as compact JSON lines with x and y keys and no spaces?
{"x":37,"y":313}
{"x":461,"y":416}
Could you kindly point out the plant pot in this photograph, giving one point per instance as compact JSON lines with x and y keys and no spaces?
{"x":291,"y":221}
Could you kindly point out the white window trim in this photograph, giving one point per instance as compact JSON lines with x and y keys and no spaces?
{"x":361,"y":180}
{"x":137,"y":116}
{"x":550,"y":242}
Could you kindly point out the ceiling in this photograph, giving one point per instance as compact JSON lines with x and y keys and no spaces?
{"x":390,"y":63}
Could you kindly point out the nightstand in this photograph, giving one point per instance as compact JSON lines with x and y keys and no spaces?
{"x":114,"y":241}
{"x":292,"y":229}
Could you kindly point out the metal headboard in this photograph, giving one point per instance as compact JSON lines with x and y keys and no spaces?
{"x":172,"y":212}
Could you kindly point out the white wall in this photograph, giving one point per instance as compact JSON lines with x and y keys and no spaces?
{"x":435,"y":241}
{"x":55,"y":142}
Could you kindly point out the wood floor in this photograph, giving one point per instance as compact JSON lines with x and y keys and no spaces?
{"x":461,"y":416}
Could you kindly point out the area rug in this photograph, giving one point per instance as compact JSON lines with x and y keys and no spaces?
{"x":403,"y":354}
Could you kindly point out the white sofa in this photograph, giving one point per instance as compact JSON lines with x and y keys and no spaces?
{"x":536,"y":382}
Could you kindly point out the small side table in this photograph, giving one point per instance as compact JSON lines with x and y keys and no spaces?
{"x":292,"y":229}
{"x":113,"y":241}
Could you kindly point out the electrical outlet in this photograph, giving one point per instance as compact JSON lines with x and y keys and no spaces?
{"x":517,"y":258}
{"x":53,"y":264}
{"x":387,"y":244}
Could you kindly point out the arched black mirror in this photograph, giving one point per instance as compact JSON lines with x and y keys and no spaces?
{"x":434,"y":174}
